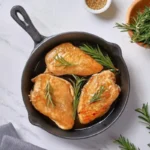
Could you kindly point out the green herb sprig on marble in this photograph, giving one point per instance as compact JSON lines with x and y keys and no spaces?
{"x":144,"y":115}
{"x":125,"y":144}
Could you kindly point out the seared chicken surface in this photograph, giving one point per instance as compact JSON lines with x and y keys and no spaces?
{"x":61,"y":93}
{"x":68,"y":59}
{"x":87,"y":110}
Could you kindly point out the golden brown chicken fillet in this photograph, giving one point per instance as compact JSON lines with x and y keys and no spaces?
{"x":68,"y":59}
{"x":97,"y":96}
{"x":60,"y":92}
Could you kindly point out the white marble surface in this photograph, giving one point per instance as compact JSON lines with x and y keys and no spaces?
{"x":55,"y":16}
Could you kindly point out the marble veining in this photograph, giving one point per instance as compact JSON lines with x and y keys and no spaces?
{"x":55,"y":16}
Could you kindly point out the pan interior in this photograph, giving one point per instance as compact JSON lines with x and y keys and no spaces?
{"x":36,"y":65}
{"x":40,"y":67}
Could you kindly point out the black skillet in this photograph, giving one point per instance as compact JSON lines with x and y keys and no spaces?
{"x":36,"y":65}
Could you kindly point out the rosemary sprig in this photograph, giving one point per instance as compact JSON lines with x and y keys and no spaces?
{"x":62,"y":61}
{"x":96,"y":54}
{"x":48,"y":92}
{"x":144,"y":115}
{"x":125,"y":27}
{"x":140,"y":27}
{"x":97,"y":96}
{"x":125,"y":144}
{"x":77,"y":87}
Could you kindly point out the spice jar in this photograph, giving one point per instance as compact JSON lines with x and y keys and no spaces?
{"x":97,"y":6}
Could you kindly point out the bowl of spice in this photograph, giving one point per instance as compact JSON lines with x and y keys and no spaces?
{"x":97,"y":6}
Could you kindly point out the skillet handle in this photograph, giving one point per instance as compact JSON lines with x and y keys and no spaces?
{"x":26,"y":24}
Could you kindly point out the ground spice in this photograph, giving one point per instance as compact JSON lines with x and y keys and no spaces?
{"x":96,"y":4}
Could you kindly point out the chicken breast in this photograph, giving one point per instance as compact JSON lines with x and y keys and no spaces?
{"x":61,"y":94}
{"x":91,"y":105}
{"x":73,"y":61}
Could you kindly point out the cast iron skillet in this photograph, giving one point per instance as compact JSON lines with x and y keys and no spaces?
{"x":36,"y":65}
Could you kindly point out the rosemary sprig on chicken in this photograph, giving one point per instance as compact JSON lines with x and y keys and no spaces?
{"x":77,"y":84}
{"x":62,"y":61}
{"x":97,"y":96}
{"x":96,"y":53}
{"x":48,"y":92}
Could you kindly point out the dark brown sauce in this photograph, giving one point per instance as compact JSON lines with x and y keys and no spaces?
{"x":41,"y":67}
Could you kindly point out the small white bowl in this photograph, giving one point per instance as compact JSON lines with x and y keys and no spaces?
{"x":98,"y":11}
